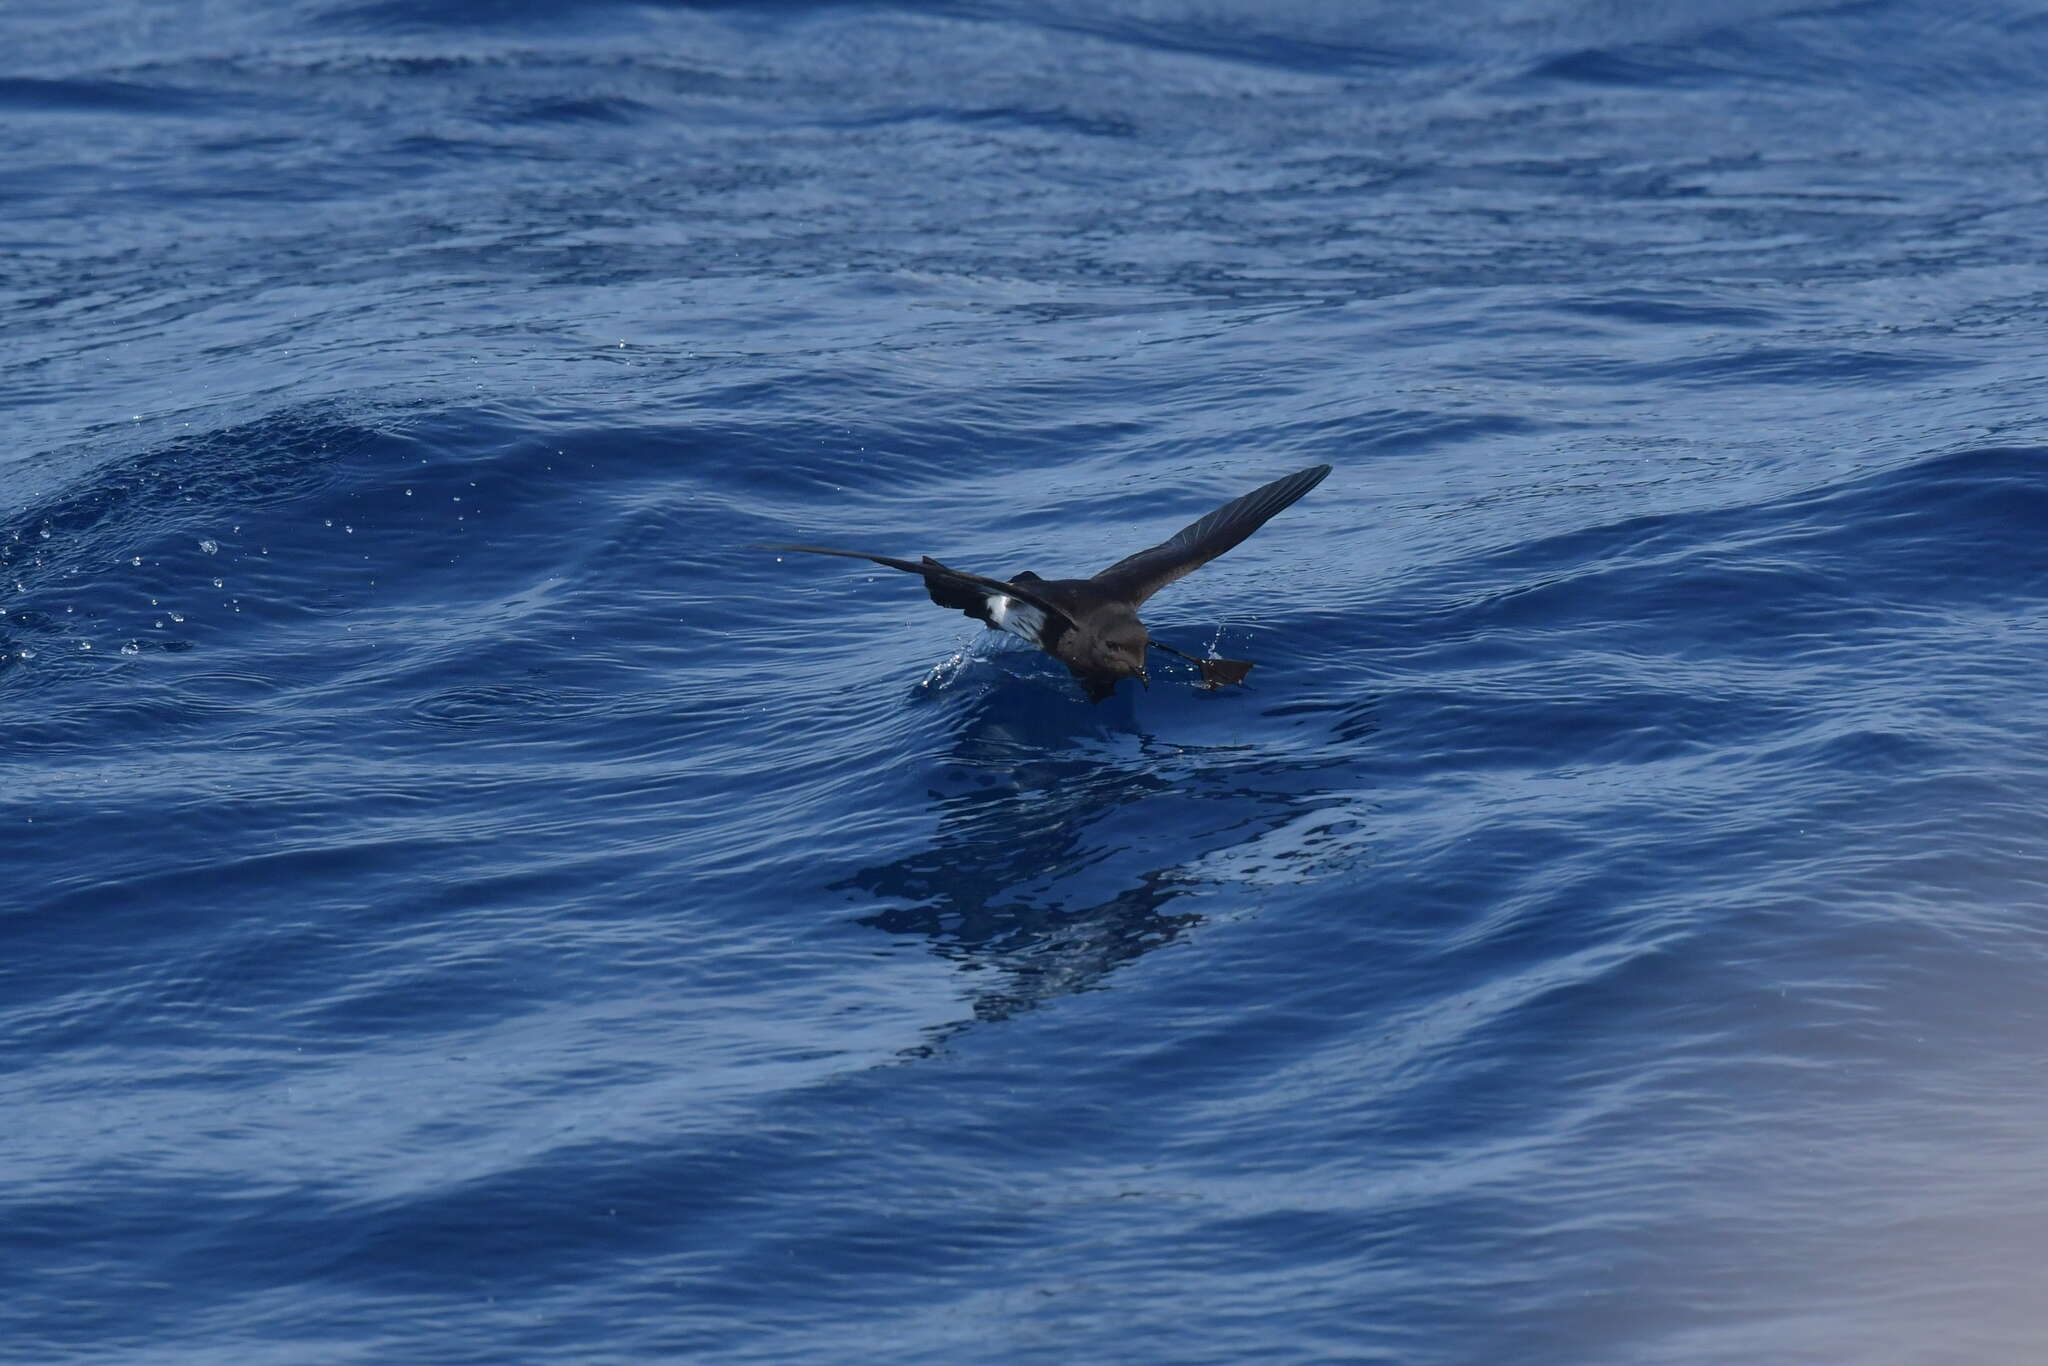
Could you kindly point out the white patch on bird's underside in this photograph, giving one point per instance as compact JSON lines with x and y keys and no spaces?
{"x":1018,"y":618}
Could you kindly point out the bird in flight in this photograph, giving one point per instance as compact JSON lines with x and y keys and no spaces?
{"x":1091,"y":625}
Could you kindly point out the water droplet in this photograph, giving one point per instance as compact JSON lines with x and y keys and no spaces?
{"x":350,"y":530}
{"x":211,"y":547}
{"x":131,"y":648}
{"x":135,"y":560}
{"x":327,"y":521}
{"x":177,"y":616}
{"x":408,"y":493}
{"x":218,"y":584}
{"x":85,"y":645}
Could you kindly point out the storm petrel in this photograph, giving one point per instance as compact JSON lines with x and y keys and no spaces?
{"x":1091,"y":625}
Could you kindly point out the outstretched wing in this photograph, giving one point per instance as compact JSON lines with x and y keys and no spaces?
{"x":1011,"y":607}
{"x":1137,"y":577}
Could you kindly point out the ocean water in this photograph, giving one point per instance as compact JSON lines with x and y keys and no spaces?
{"x":460,"y":903}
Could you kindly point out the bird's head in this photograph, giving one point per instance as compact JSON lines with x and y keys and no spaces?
{"x":1120,"y":652}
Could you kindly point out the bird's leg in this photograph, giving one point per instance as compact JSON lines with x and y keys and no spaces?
{"x":1215,"y":672}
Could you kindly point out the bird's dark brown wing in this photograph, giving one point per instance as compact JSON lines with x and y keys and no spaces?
{"x":1011,"y":607}
{"x":1137,"y":577}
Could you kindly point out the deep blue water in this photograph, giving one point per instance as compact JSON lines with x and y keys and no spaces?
{"x":463,"y":905}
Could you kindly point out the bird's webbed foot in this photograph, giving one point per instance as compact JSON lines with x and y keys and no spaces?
{"x":1215,"y":672}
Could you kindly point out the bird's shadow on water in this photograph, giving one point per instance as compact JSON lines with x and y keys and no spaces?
{"x":1066,"y":834}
